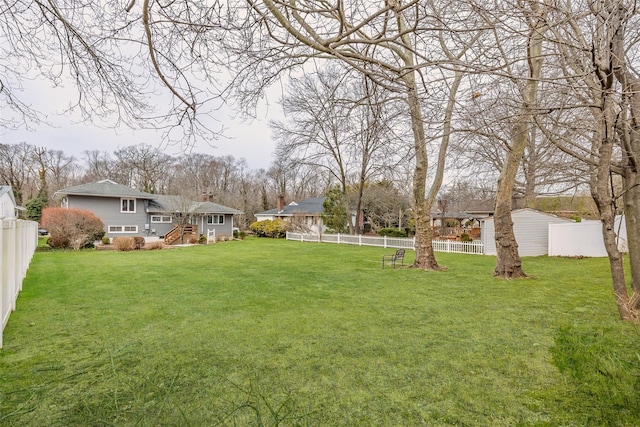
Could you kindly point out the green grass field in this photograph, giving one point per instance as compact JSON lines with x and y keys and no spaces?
{"x":268,"y":332}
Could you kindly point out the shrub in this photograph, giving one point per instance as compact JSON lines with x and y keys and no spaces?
{"x":270,"y":228}
{"x":106,"y":240}
{"x":124,"y":243}
{"x":138,"y":242}
{"x":392,"y":232}
{"x":156,"y":245}
{"x":242,"y":235}
{"x":71,"y":228}
{"x":464,"y":237}
{"x":35,"y":206}
{"x":202,"y":239}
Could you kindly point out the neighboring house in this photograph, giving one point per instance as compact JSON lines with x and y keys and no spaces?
{"x":531,"y":229}
{"x":129,"y":212}
{"x":8,"y":207}
{"x":305,"y":214}
{"x":450,"y":220}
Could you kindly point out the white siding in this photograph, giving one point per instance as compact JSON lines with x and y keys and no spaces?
{"x":7,"y":207}
{"x":531,"y":229}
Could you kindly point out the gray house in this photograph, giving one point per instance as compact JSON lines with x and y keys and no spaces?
{"x":129,"y":212}
{"x":305,"y":214}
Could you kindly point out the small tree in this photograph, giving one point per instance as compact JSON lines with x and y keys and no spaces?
{"x":35,"y":206}
{"x":71,"y":228}
{"x":335,"y":211}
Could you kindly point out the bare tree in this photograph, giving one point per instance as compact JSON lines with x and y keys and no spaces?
{"x":113,"y":60}
{"x":508,"y":264}
{"x":148,"y":166}
{"x":341,"y":124}
{"x":17,"y":169}
{"x":63,"y":170}
{"x":97,"y":166}
{"x":598,"y":116}
{"x":390,"y":45}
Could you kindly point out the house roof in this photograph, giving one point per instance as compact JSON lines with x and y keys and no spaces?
{"x":104,"y":188}
{"x":168,"y":203}
{"x":157,"y":202}
{"x":312,"y":206}
{"x":461,"y":209}
{"x":6,"y":189}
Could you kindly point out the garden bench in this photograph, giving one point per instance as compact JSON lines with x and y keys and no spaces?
{"x":392,"y":259}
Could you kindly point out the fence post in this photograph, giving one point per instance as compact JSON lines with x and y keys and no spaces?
{"x":359,"y":239}
{"x":384,"y":245}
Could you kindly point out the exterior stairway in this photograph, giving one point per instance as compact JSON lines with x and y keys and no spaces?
{"x":178,"y":231}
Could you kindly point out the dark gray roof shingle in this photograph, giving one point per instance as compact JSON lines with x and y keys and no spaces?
{"x":105,"y":188}
{"x":312,"y":206}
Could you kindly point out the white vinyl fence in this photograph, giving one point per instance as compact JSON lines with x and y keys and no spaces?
{"x":584,"y":238}
{"x":18,"y":242}
{"x":388,"y":242}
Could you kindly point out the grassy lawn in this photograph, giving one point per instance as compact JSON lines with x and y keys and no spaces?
{"x":269,"y":332}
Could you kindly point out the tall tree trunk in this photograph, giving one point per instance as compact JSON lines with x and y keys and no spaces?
{"x":508,"y":263}
{"x":630,"y":144}
{"x":632,"y":222}
{"x":425,"y":256}
{"x":609,"y":61}
{"x":602,"y":194}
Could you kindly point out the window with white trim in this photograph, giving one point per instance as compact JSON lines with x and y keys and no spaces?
{"x":128,"y":205}
{"x":215,"y":219}
{"x":123,"y":229}
{"x":160,"y":218}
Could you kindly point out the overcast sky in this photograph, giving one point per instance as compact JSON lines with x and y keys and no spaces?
{"x":249,"y":140}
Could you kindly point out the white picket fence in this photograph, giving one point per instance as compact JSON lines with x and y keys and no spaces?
{"x":388,"y":242}
{"x":18,"y":242}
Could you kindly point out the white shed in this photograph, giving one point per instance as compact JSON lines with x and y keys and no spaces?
{"x":531,"y":228}
{"x":8,"y":205}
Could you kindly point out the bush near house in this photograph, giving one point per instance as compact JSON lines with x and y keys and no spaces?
{"x":270,"y":228}
{"x":123,"y":243}
{"x":71,"y":228}
{"x":128,"y":243}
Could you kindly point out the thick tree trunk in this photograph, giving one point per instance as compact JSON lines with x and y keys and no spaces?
{"x":629,"y":134}
{"x":425,"y":257}
{"x":632,"y":222}
{"x":601,"y":191}
{"x":610,"y":61}
{"x":508,"y":263}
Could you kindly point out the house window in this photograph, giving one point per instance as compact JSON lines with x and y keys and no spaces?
{"x":123,"y":229}
{"x":215,"y":219}
{"x":128,"y":205}
{"x":160,"y":218}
